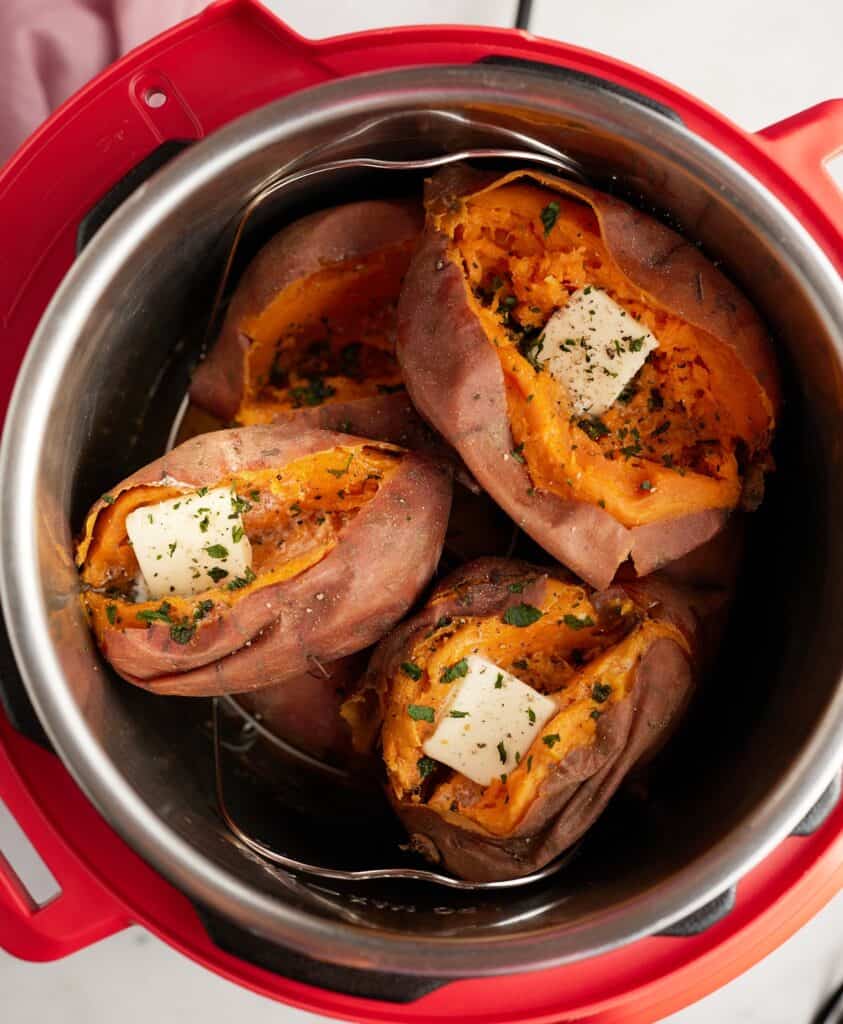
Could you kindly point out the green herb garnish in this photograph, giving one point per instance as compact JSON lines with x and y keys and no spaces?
{"x":183,"y":632}
{"x":521,"y":615}
{"x":601,"y":692}
{"x":420,"y":712}
{"x":551,"y":739}
{"x":241,"y":581}
{"x":595,"y":428}
{"x":217,"y":574}
{"x":341,"y":472}
{"x":456,"y":671}
{"x":549,"y":215}
{"x":426,"y":766}
{"x":217,"y":551}
{"x":409,"y":668}
{"x":160,"y":614}
{"x":502,"y":752}
{"x":111,"y":613}
{"x":314,"y":393}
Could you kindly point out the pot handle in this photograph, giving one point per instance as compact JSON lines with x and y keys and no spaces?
{"x":803,"y":144}
{"x":83,"y":911}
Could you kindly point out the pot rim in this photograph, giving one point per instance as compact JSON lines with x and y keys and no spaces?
{"x":52,"y":347}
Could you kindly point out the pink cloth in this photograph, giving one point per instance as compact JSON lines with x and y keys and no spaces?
{"x":50,"y":48}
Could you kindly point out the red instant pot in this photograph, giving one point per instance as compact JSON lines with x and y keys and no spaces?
{"x":229,"y":60}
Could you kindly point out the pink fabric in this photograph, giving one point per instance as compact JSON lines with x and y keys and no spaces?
{"x":50,"y":48}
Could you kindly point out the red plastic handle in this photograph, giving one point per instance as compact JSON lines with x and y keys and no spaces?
{"x":84,"y":911}
{"x":803,"y":144}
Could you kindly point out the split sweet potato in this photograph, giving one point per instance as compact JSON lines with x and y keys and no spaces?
{"x":619,"y":664}
{"x":345,"y":533}
{"x":311,"y":323}
{"x":683,"y":445}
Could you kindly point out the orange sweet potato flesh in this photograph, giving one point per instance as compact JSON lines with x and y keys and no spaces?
{"x":619,"y":664}
{"x":656,"y":475}
{"x":312,"y":321}
{"x":345,"y":533}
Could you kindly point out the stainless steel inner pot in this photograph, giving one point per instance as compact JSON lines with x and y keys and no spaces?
{"x":99,"y":390}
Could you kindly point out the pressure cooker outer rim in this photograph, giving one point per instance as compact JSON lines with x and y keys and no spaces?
{"x":21,"y":597}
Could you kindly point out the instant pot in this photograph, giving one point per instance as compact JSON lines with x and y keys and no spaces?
{"x":118,"y":215}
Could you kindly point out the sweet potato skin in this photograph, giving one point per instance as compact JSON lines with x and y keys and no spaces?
{"x":304,"y":711}
{"x":455,"y":380}
{"x":348,"y":232}
{"x":579,"y":788}
{"x":342,"y":604}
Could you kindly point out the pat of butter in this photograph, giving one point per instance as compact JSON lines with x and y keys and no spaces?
{"x":191,"y":543}
{"x":594,"y":348}
{"x":488,"y":722}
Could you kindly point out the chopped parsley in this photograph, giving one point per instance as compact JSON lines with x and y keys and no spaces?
{"x":655,"y":401}
{"x":420,"y":712}
{"x":516,"y":588}
{"x":217,"y":551}
{"x":636,"y":344}
{"x":240,"y":505}
{"x":551,"y":739}
{"x":601,"y":692}
{"x":202,"y":492}
{"x":646,"y":485}
{"x":522,"y":615}
{"x":502,"y":752}
{"x":409,"y":668}
{"x":111,"y":613}
{"x":628,"y":393}
{"x":314,"y":393}
{"x":531,"y":715}
{"x":549,"y":215}
{"x":595,"y":428}
{"x":217,"y":574}
{"x":204,"y":523}
{"x":202,"y":609}
{"x":109,"y":499}
{"x":459,"y":714}
{"x":160,"y":614}
{"x":341,"y":472}
{"x":499,"y":681}
{"x":237,"y":533}
{"x":518,"y":453}
{"x":595,"y":714}
{"x":521,"y":663}
{"x":456,"y":671}
{"x":576,"y":622}
{"x":183,"y":631}
{"x":172,"y":548}
{"x":426,"y":766}
{"x":241,"y":581}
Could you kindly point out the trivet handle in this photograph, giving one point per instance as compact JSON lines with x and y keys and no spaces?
{"x":83,"y":911}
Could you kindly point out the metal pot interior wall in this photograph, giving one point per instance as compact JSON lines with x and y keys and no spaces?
{"x":771,"y":684}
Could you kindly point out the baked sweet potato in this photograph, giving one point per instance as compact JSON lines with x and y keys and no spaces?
{"x":344,"y":533}
{"x":683,"y":444}
{"x":617,"y":665}
{"x":312,"y":321}
{"x":304,"y":711}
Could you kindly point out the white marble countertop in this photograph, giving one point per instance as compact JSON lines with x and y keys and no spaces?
{"x":755,"y":63}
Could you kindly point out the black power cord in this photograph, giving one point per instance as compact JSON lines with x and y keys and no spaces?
{"x":522,"y":15}
{"x":831,"y":1011}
